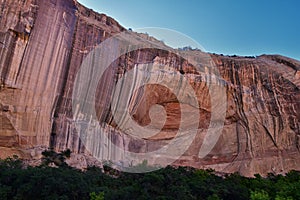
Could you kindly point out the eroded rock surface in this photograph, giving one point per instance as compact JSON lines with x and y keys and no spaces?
{"x":42,"y":46}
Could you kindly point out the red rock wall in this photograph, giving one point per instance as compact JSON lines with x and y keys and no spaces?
{"x":42,"y":45}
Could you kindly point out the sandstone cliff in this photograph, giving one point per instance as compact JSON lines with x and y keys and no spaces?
{"x":42,"y":46}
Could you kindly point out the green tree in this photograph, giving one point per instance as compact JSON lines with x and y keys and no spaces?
{"x":58,"y":159}
{"x":283,"y":198}
{"x":94,"y":196}
{"x":259,"y":195}
{"x":213,"y":197}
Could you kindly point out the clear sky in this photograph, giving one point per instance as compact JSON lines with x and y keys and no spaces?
{"x":242,"y":27}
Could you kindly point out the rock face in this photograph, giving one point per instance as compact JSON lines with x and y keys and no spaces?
{"x":42,"y":46}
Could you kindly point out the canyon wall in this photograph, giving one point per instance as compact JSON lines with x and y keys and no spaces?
{"x":43,"y":44}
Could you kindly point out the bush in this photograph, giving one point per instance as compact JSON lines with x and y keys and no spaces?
{"x":43,"y":182}
{"x":259,"y":195}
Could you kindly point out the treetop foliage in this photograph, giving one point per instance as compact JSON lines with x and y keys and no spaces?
{"x":44,"y":182}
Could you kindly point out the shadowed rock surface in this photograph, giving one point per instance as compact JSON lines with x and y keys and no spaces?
{"x":42,"y":46}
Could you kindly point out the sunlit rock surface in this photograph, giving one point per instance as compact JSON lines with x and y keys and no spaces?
{"x":42,"y":46}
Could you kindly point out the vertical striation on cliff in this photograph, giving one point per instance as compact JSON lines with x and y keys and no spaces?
{"x":37,"y":41}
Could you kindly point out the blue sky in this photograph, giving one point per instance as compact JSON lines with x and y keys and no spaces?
{"x":221,"y":26}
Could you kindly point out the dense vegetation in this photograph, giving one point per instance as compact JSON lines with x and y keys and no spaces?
{"x":63,"y":182}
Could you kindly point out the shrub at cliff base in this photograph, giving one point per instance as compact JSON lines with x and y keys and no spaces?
{"x":64,"y":182}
